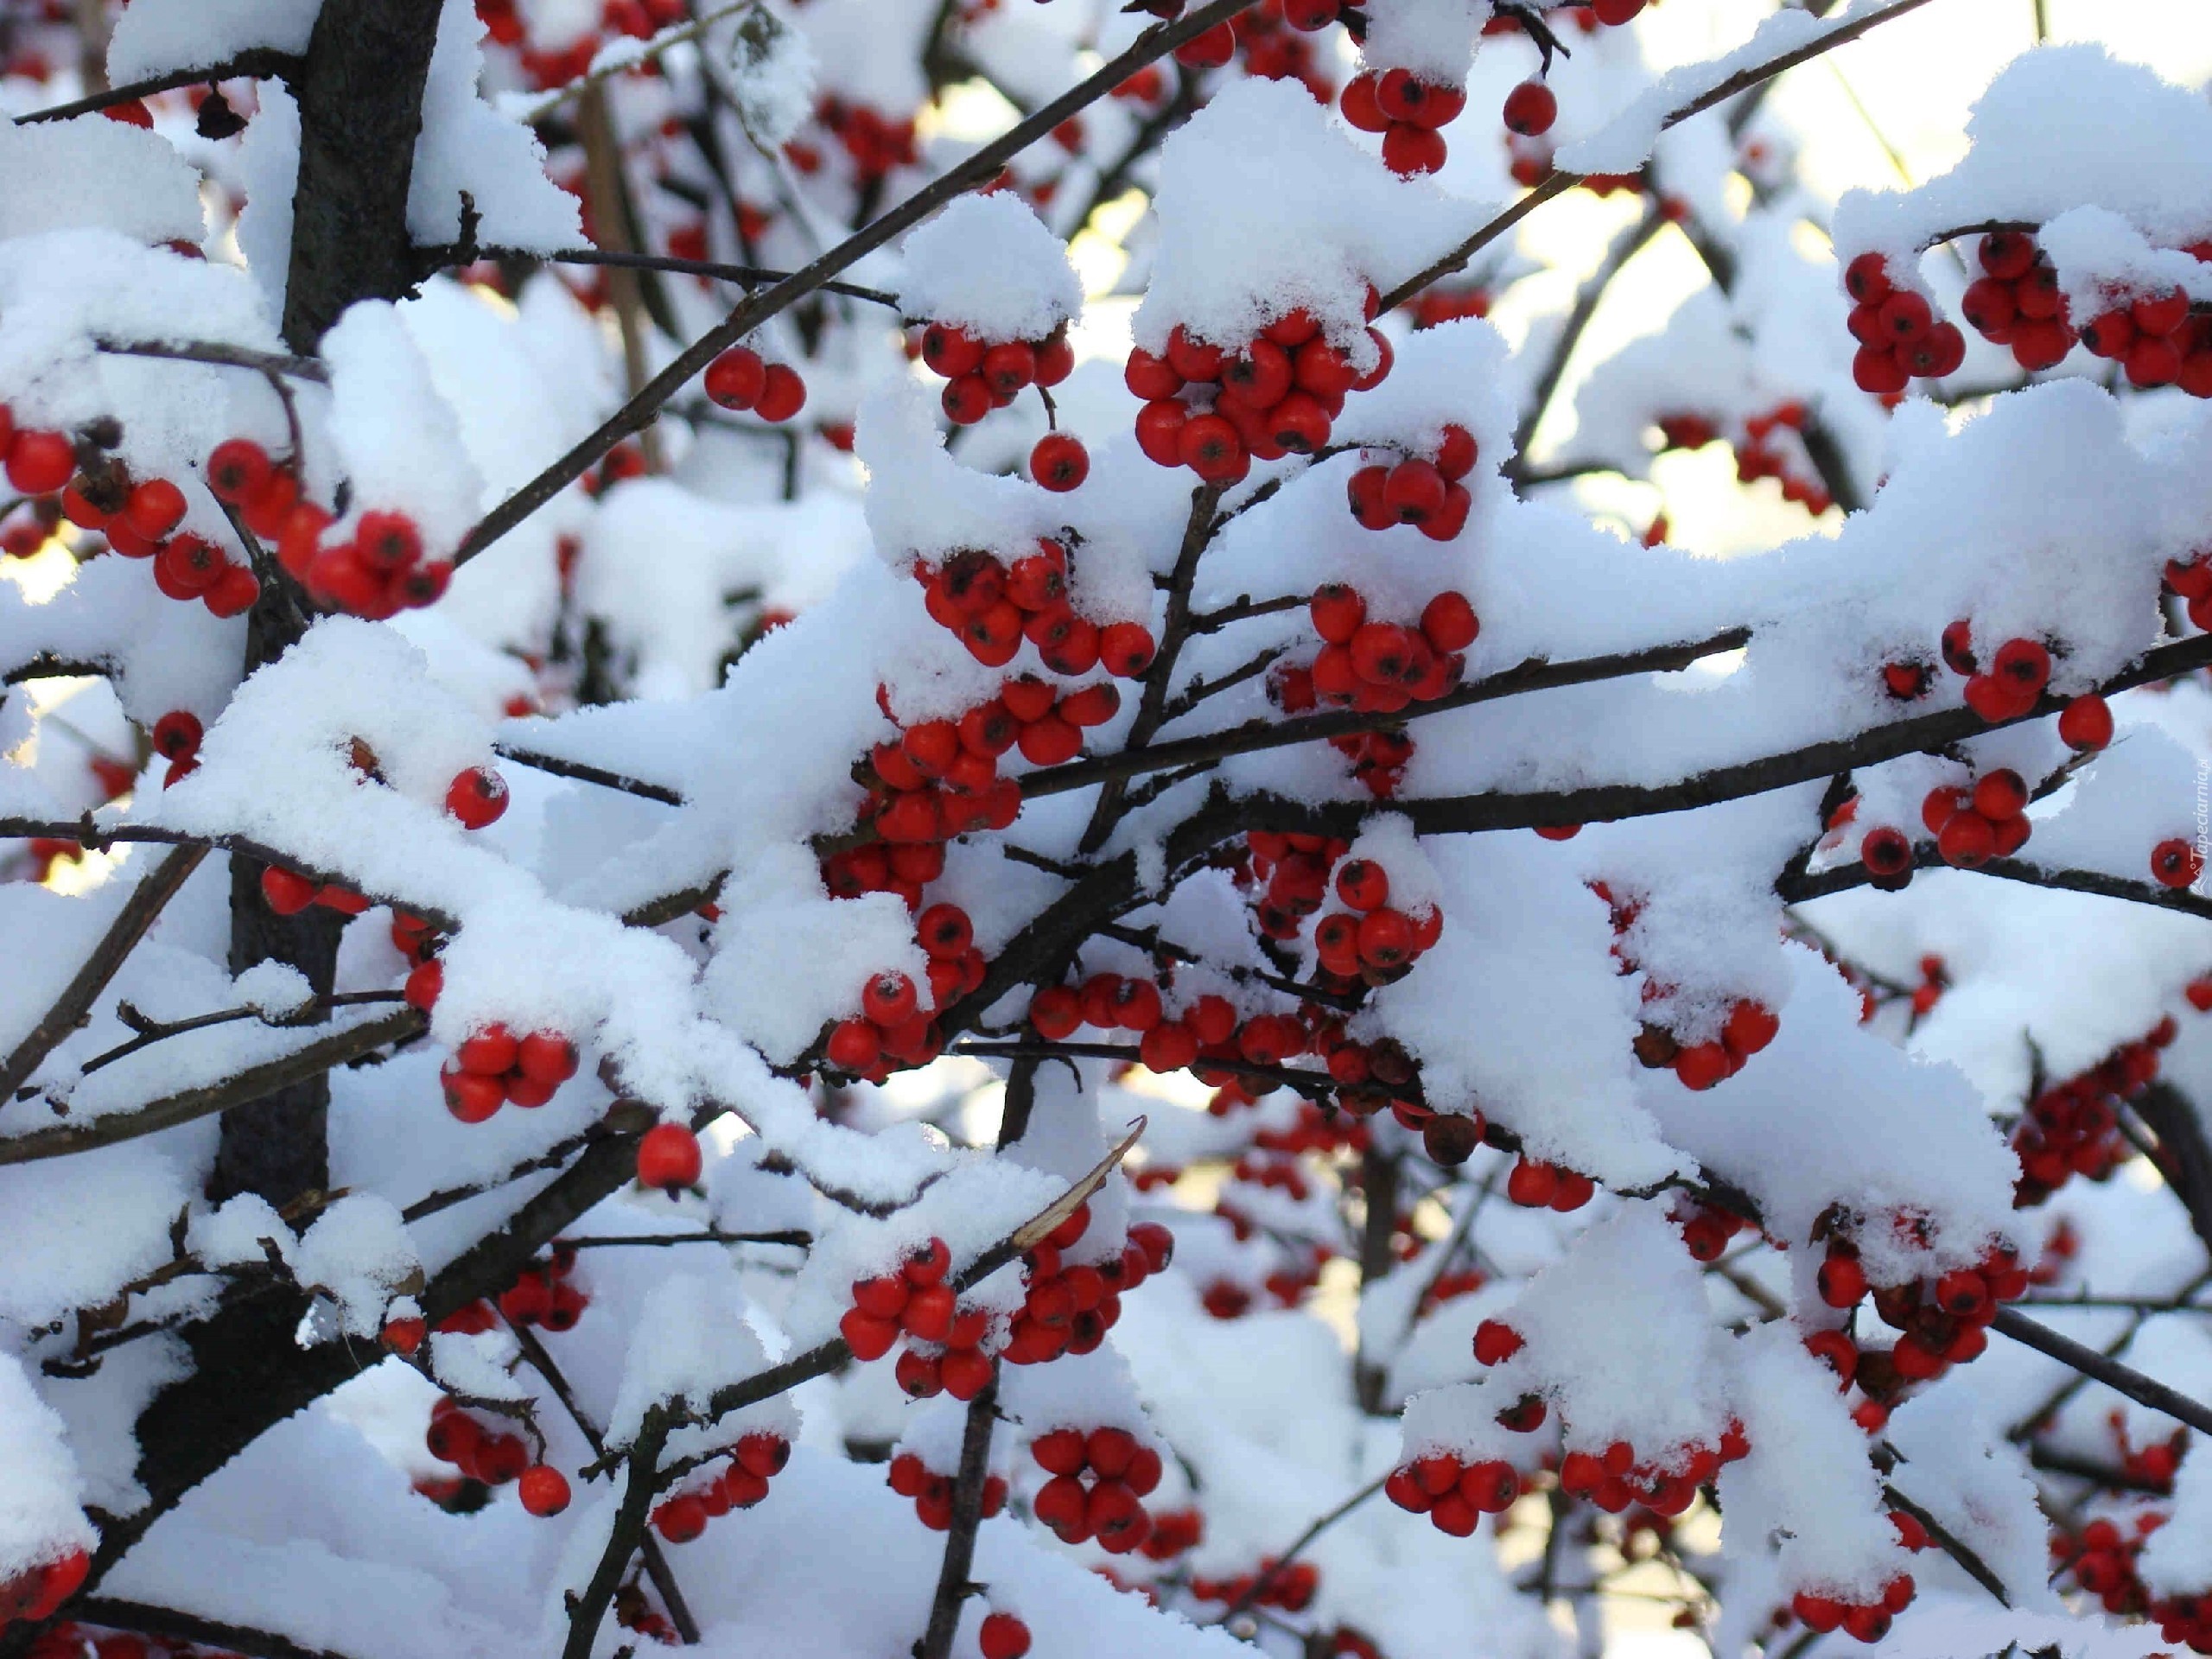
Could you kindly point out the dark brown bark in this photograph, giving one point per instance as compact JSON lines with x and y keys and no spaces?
{"x":361,"y":98}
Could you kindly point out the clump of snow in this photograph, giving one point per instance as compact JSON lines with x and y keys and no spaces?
{"x":771,"y":72}
{"x":784,"y":929}
{"x":393,"y":436}
{"x":233,"y":1234}
{"x":274,"y":989}
{"x":154,"y":37}
{"x":1266,"y":205}
{"x":358,"y":1254}
{"x":2059,"y":127}
{"x":988,"y":266}
{"x":147,"y":191}
{"x":692,"y":1338}
{"x":40,"y":1519}
{"x":1807,"y":1490}
{"x":467,"y":147}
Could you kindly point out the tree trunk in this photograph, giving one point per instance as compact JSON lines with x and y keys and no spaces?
{"x":361,"y":98}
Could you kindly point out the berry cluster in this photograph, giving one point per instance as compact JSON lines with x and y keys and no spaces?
{"x":1974,"y":824}
{"x":1707,"y":1228}
{"x":895,"y":1028}
{"x":916,"y":1302}
{"x":494,"y":1066}
{"x":982,"y":374}
{"x":544,"y":1294}
{"x":1863,"y":1621}
{"x":1942,"y":1319}
{"x":939,"y":779}
{"x":875,"y":142}
{"x":994,"y":607}
{"x":1293,"y":1589}
{"x":1068,"y":1307}
{"x":2007,"y":687}
{"x":1122,"y":1473}
{"x":1748,"y":1026}
{"x":637,"y":19}
{"x":1760,"y":451}
{"x":1454,"y":1495}
{"x":1217,"y":410}
{"x":1899,"y":335}
{"x":742,"y":1483}
{"x":480,"y":1446}
{"x":1616,"y":1477}
{"x":932,"y":1491}
{"x":1371,"y":942}
{"x":1271,"y":38}
{"x":2102,"y":1559}
{"x":2072,"y":1127}
{"x":139,"y":518}
{"x":2016,"y":303}
{"x":1407,"y":112}
{"x":739,"y":378}
{"x":380,"y":572}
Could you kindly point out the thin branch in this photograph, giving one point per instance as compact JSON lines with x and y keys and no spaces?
{"x":1152,"y":707}
{"x":222,"y":356}
{"x":74,"y":1005}
{"x":657,"y":1567}
{"x":795,"y":1236}
{"x":1265,"y":1581}
{"x":1154,"y":43}
{"x":952,"y":1586}
{"x":1536,"y":674}
{"x":1629,"y":243}
{"x":308,"y":1014}
{"x":1971,"y":1564}
{"x":630,"y":57}
{"x":1843,"y":877}
{"x":242,"y":1089}
{"x":583,"y":772}
{"x":115,"y":1614}
{"x":589,"y":1610}
{"x":744,"y":275}
{"x":2101,"y":1368}
{"x":2054,"y":1462}
{"x":257,"y":63}
{"x":1558,"y":183}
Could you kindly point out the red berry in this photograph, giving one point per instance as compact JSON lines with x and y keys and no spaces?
{"x":1059,"y":461}
{"x":783,"y":394}
{"x":39,"y":463}
{"x":2086,"y":723}
{"x":2175,"y":863}
{"x":668,"y":1158}
{"x":477,"y":797}
{"x":237,"y":471}
{"x":542,"y":1490}
{"x":1449,"y":623}
{"x":1530,"y":109}
{"x":1004,"y":1636}
{"x":735,"y":380}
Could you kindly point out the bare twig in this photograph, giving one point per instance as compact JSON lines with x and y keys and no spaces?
{"x":71,"y":1008}
{"x":2103,"y":1368}
{"x":258,"y":63}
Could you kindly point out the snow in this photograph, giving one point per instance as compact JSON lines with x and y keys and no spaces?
{"x":988,"y":266}
{"x":2061,"y":127}
{"x":358,"y":1253}
{"x":40,"y":1521}
{"x":156,"y":37}
{"x":468,"y":148}
{"x":148,"y":192}
{"x":274,"y":989}
{"x":391,"y":435}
